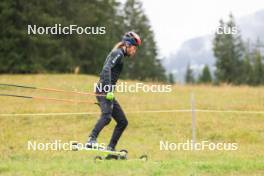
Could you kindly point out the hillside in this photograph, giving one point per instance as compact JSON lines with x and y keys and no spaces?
{"x":145,"y":131}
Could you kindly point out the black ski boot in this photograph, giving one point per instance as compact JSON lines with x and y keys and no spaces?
{"x":109,"y":148}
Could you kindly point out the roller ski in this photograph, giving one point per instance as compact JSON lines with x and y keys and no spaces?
{"x":105,"y":153}
{"x":116,"y":155}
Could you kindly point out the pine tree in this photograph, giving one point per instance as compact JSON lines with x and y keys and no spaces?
{"x":146,"y":64}
{"x":228,"y":50}
{"x":247,"y":72}
{"x":189,"y":77}
{"x":205,"y":77}
{"x":258,"y":72}
{"x":171,"y":79}
{"x":253,"y":66}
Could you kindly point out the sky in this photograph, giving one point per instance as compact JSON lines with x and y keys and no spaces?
{"x":174,"y":21}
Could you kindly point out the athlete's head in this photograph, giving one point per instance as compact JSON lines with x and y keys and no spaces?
{"x":131,"y":41}
{"x":131,"y":38}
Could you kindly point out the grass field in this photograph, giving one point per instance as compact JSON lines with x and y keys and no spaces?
{"x":143,"y":135}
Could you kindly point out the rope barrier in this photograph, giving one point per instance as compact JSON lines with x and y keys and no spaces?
{"x":134,"y":112}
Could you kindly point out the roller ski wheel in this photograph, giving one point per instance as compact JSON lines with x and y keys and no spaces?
{"x":98,"y":158}
{"x":144,"y":157}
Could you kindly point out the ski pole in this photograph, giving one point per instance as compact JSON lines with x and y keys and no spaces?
{"x":51,"y":89}
{"x":47,"y":98}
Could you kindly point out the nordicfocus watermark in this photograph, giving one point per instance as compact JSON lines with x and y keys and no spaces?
{"x":133,"y":88}
{"x":227,"y":30}
{"x":58,"y":145}
{"x":198,"y":146}
{"x":58,"y":29}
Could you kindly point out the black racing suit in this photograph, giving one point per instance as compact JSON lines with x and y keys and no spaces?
{"x":108,"y":77}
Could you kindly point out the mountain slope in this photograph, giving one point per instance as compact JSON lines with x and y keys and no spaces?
{"x":198,"y":51}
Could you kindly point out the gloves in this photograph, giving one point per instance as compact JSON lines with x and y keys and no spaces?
{"x":110,"y":96}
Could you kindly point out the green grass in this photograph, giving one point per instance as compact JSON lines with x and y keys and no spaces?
{"x":142,"y":135}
